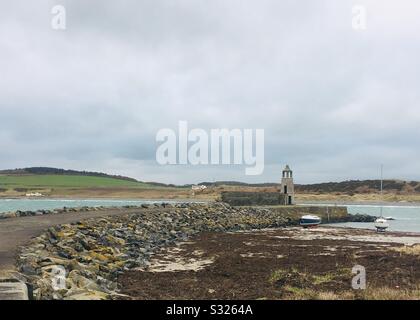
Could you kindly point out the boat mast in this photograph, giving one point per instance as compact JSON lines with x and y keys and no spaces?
{"x":382,"y":185}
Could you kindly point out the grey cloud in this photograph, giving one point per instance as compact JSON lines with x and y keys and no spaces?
{"x":334,"y":102}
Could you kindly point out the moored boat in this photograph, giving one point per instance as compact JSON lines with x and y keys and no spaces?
{"x":308,"y":221}
{"x":381,"y":224}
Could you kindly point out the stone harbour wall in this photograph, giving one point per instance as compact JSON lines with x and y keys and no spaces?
{"x":241,"y":198}
{"x":330,"y":214}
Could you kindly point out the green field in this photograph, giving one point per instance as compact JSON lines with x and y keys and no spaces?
{"x":66,"y":181}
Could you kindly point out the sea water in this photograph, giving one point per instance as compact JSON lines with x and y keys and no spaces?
{"x":406,"y":215}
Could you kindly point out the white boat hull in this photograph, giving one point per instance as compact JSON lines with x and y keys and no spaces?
{"x":309,"y":221}
{"x":381,"y":224}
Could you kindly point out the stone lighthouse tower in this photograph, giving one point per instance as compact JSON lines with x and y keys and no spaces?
{"x":287,"y":188}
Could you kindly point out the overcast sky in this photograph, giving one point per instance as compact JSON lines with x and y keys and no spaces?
{"x":334,"y":102}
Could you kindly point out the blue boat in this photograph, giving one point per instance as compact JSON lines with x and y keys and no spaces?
{"x":309,"y":221}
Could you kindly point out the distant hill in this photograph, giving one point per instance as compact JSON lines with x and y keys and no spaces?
{"x":56,"y":171}
{"x":348,"y":187}
{"x":362,"y":186}
{"x":237,"y":183}
{"x":351,"y":186}
{"x":44,"y":177}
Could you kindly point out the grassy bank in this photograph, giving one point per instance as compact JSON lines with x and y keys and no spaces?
{"x":64,"y":181}
{"x":80,"y":186}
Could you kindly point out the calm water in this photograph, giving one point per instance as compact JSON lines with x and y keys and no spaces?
{"x":37,"y":204}
{"x":407,"y":216}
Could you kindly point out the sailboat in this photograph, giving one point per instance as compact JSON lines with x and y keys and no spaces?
{"x":381,"y":224}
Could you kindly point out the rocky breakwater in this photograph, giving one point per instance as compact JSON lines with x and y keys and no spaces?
{"x":31,"y":213}
{"x":358,"y":217}
{"x":84,"y":259}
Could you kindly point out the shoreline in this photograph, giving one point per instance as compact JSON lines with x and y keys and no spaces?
{"x":388,"y":232}
{"x":367,"y":203}
{"x":179,"y":193}
{"x":199,"y":199}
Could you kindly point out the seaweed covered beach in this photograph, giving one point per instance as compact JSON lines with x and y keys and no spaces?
{"x":287,"y":263}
